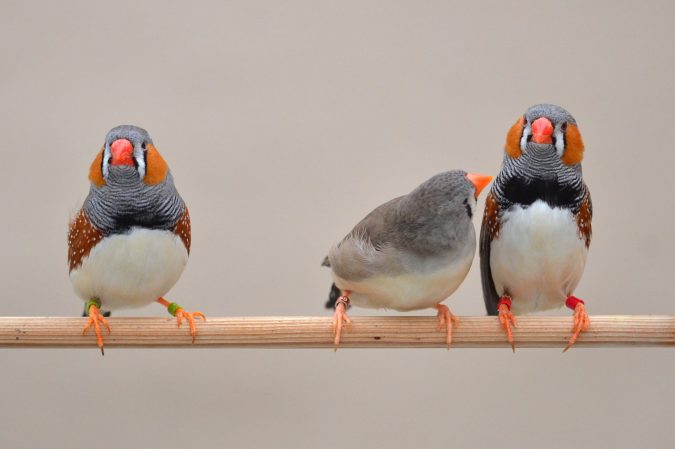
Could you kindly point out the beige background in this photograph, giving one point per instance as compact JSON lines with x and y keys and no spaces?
{"x":284,"y":123}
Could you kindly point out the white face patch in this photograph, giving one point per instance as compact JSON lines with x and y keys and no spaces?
{"x":105,"y":163}
{"x":140,"y":160}
{"x":139,"y":157}
{"x":526,"y":133}
{"x":559,"y":142}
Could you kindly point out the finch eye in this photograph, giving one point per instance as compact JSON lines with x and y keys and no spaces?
{"x":563,"y":127}
{"x":143,"y":145}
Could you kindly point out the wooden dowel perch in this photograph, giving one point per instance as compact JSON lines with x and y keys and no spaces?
{"x":315,"y":332}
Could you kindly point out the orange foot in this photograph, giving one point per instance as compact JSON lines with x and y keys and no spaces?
{"x":506,"y":319}
{"x":340,"y":316}
{"x":446,"y":318}
{"x":177,"y":311}
{"x":96,"y":318}
{"x":581,"y":320}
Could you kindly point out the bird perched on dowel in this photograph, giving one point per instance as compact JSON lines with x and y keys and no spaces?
{"x":129,"y":243}
{"x":410,"y":253}
{"x":537,"y":224}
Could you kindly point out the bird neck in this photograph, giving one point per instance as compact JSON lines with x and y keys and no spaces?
{"x":539,"y":176}
{"x":122,"y":204}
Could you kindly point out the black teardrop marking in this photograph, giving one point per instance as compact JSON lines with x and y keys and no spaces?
{"x":468,"y":208}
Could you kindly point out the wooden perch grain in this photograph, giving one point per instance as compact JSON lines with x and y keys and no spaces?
{"x":315,"y":332}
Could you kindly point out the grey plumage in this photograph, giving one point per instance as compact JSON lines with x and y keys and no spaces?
{"x":126,"y":201}
{"x":552,"y":111}
{"x":428,"y":222}
{"x":416,"y":233}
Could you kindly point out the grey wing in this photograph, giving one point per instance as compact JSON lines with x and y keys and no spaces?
{"x":490,"y":295}
{"x":378,"y":226}
{"x":367,"y":249}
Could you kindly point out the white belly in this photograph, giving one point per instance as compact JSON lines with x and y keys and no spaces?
{"x":538,"y":258}
{"x":413,"y":290}
{"x":130,"y":270}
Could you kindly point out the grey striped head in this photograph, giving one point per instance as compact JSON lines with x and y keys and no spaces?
{"x":131,"y":184}
{"x":125,"y":145}
{"x":545,"y":130}
{"x":543,"y":158}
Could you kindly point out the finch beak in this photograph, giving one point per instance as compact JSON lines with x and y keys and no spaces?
{"x":479,"y":181}
{"x":122,"y":152}
{"x":542,"y":128}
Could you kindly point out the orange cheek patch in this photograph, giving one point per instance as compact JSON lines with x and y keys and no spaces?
{"x":512,"y":146}
{"x":95,"y":173}
{"x":574,"y":146}
{"x":155,"y":168}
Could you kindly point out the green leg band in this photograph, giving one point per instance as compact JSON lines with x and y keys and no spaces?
{"x":92,"y":302}
{"x":173,"y":308}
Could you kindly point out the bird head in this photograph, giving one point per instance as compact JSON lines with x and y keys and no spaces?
{"x":546,"y":128}
{"x":473,"y":184}
{"x":453,"y":192}
{"x":128,"y":154}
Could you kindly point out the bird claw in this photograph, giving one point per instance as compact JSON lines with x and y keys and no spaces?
{"x":97,"y":319}
{"x":507,"y":319}
{"x":580,"y":324}
{"x":446,"y":318}
{"x":339,"y":317}
{"x":190,"y":317}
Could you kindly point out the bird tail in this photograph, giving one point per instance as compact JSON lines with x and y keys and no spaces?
{"x":333,"y":296}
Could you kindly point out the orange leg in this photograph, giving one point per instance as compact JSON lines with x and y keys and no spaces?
{"x":340,"y":316}
{"x":445,"y":318}
{"x":96,"y":318}
{"x":581,"y":320}
{"x":177,"y":311}
{"x":506,"y":319}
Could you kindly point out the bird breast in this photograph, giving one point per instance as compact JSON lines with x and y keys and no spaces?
{"x":131,"y":269}
{"x":422,"y":282}
{"x":538,"y":257}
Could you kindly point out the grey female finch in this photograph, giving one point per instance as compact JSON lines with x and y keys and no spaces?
{"x":410,"y":253}
{"x":129,"y":243}
{"x":537,"y":223}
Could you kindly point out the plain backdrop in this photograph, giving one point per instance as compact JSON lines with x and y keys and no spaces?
{"x":284,"y":123}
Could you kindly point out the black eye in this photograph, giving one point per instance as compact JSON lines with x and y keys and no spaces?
{"x":143,"y":145}
{"x":563,"y":127}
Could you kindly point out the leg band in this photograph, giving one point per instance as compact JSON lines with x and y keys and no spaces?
{"x":506,"y":300}
{"x":342,"y":300}
{"x":92,"y":302}
{"x":573,"y":301}
{"x":173,"y":308}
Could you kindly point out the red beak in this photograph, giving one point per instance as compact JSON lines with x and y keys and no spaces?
{"x":122,"y":152}
{"x":542,"y":128}
{"x":479,"y":181}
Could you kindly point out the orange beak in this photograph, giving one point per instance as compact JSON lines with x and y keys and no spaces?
{"x":479,"y":181}
{"x":542,"y":128}
{"x":122,"y":152}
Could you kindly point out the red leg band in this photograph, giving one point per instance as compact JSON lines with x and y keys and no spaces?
{"x":506,"y":301}
{"x":572,"y":302}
